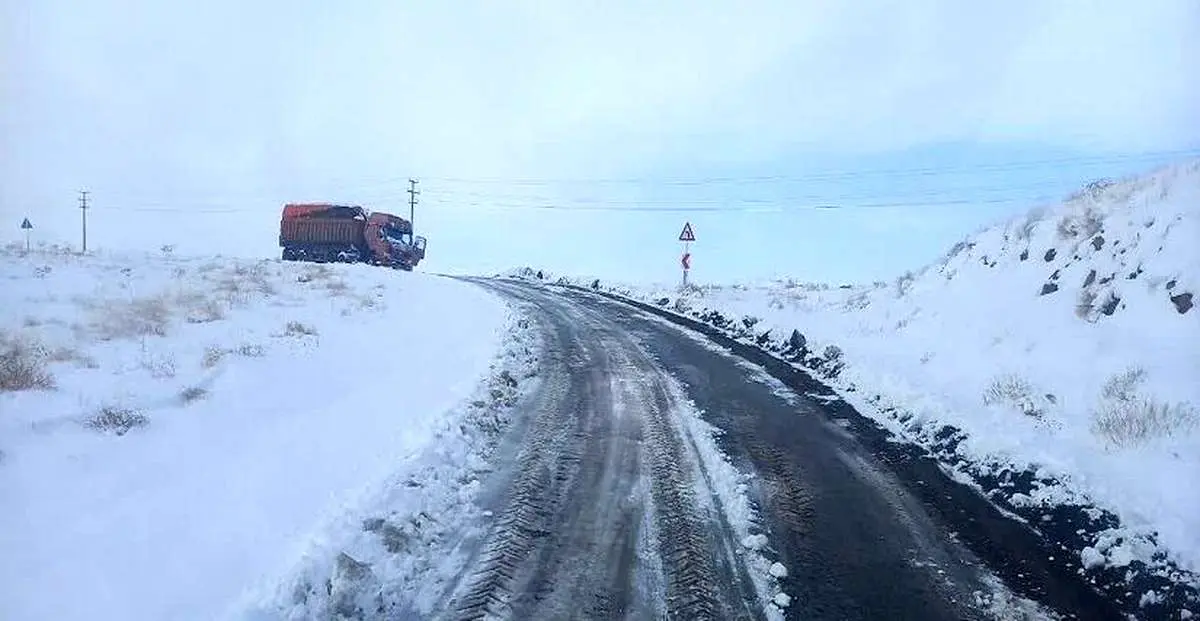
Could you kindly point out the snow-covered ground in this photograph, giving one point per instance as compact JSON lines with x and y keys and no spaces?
{"x":178,"y":435}
{"x":1063,"y":343}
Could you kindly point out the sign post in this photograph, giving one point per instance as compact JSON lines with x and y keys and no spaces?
{"x":26,"y":226}
{"x":687,"y":236}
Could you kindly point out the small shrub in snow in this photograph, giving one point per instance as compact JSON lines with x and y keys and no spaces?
{"x":192,"y":394}
{"x":904,"y":284}
{"x":1012,"y":390}
{"x":1125,"y":418}
{"x":1085,"y":304}
{"x":1082,"y":224}
{"x":250,"y":350}
{"x":316,"y":272}
{"x":212,"y":357}
{"x":295,"y":328}
{"x":118,"y":420}
{"x":159,"y":367}
{"x":1026,"y":228}
{"x":64,"y":354}
{"x":1125,"y":424}
{"x":204,"y":309}
{"x":955,"y":250}
{"x":23,"y":365}
{"x":139,"y":317}
{"x":858,"y":301}
{"x":1124,"y":385}
{"x":337,"y":287}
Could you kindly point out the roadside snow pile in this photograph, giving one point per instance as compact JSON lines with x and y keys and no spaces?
{"x":398,"y":553}
{"x":174,"y":431}
{"x":1053,"y":359}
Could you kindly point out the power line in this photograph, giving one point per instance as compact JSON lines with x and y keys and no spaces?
{"x":779,"y":207}
{"x":468,"y":196}
{"x":840,"y":175}
{"x":389,"y":184}
{"x":453,"y":197}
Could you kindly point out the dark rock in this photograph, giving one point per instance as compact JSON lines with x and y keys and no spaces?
{"x":749,"y":321}
{"x":1050,"y":254}
{"x":1182,"y":302}
{"x":1110,"y":306}
{"x":1024,"y":254}
{"x":1171,"y":284}
{"x":1091,"y":278}
{"x":1098,"y":242}
{"x":1055,"y":275}
{"x":540,"y":275}
{"x":596,"y":284}
{"x":714,"y":318}
{"x":763,"y":339}
{"x":1049,"y":288}
{"x":1107,"y":279}
{"x":663,"y":301}
{"x":797,"y":341}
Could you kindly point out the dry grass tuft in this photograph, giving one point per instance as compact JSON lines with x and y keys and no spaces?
{"x":295,"y":328}
{"x":23,"y":364}
{"x":118,"y":420}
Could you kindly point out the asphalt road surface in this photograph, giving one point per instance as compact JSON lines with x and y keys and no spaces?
{"x":610,"y":508}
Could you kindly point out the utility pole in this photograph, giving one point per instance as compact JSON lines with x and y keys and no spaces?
{"x":412,"y":200}
{"x":83,"y":206}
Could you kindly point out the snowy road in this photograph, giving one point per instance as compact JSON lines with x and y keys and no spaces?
{"x":601,"y":491}
{"x":617,"y":506}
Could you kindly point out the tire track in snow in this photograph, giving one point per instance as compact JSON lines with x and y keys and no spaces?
{"x":606,"y":457}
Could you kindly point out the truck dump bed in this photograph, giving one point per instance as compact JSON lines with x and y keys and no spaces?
{"x":321,"y":224}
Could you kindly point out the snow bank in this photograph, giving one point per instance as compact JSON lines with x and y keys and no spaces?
{"x":1053,"y":357}
{"x":202,"y":419}
{"x":399,"y":552}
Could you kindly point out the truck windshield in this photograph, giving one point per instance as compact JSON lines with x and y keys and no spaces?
{"x":396,"y":235}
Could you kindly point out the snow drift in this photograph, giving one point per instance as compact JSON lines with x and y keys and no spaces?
{"x":175,"y":432}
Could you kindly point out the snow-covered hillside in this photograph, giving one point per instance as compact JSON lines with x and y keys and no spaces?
{"x":1064,"y":343}
{"x":176,"y":433}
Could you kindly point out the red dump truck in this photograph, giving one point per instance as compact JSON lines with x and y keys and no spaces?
{"x":326,"y":232}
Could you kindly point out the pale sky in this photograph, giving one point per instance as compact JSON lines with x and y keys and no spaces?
{"x":192,"y":124}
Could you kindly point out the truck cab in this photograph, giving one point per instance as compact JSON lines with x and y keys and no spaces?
{"x":391,"y":238}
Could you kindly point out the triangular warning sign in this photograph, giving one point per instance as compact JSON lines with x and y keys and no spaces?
{"x":26,"y":224}
{"x":687,"y":235}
